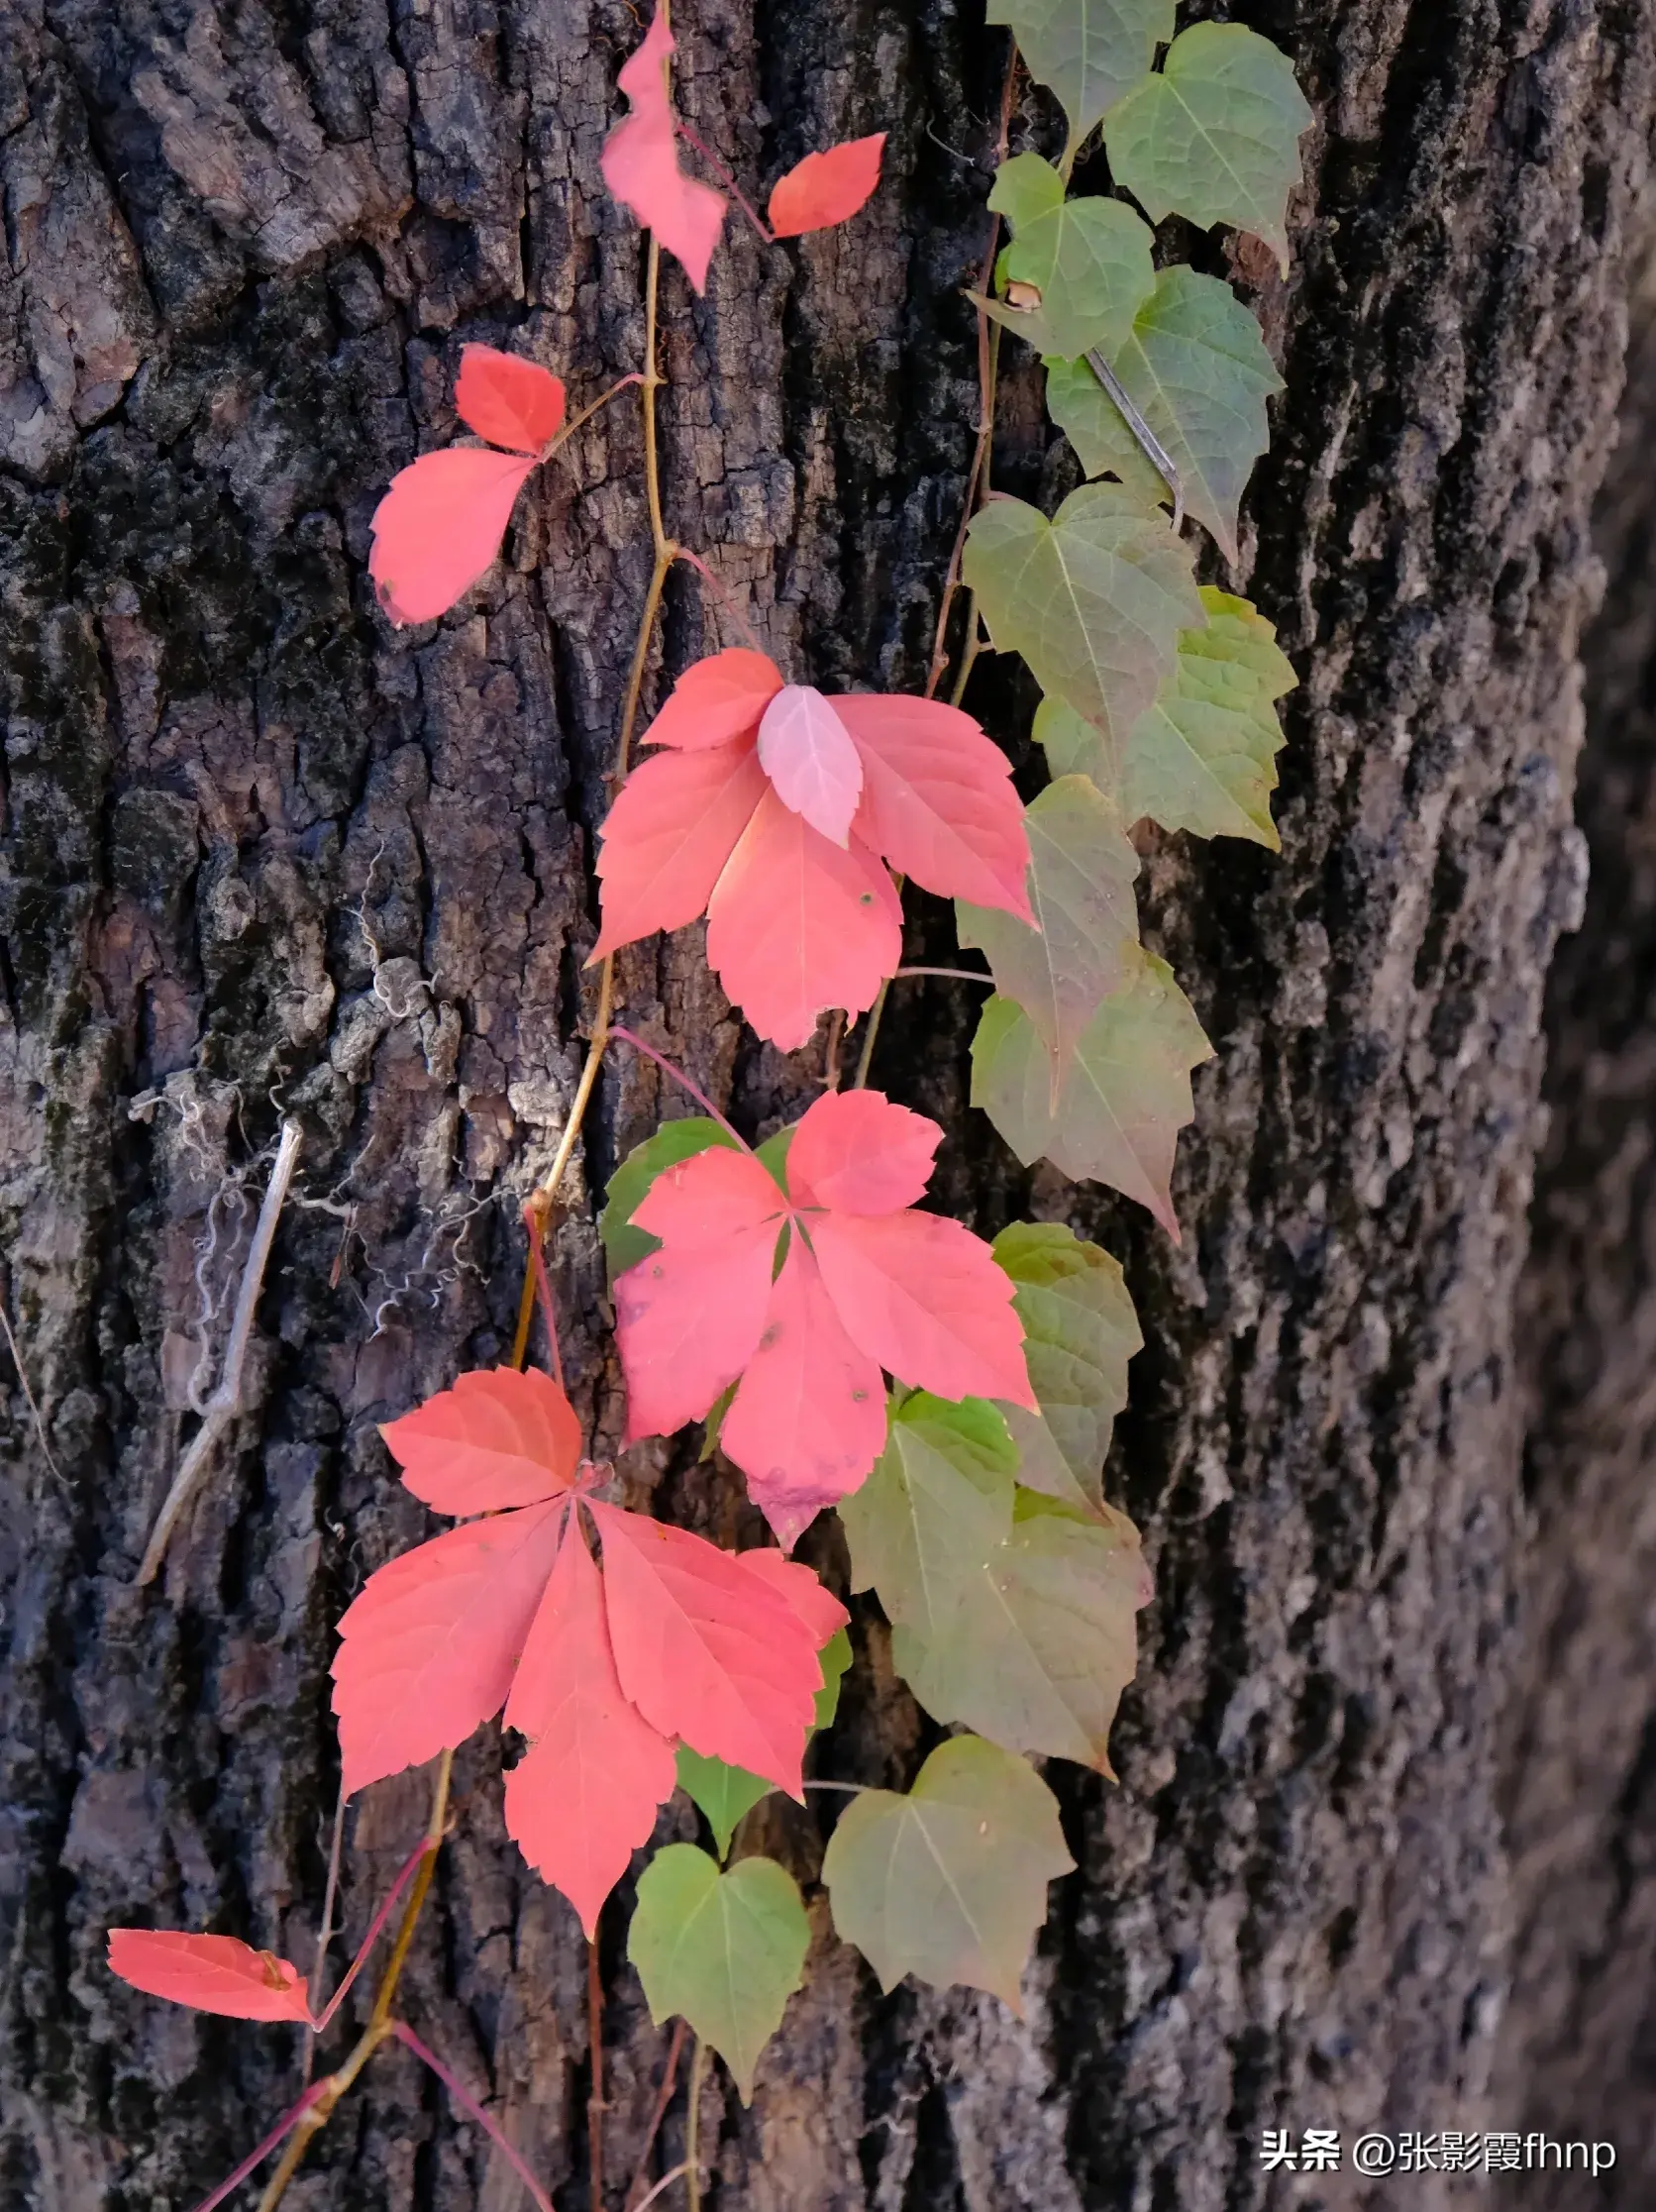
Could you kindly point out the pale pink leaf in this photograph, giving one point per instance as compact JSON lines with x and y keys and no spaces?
{"x":925,"y":1298}
{"x":937,"y":800}
{"x":808,"y":1420}
{"x":858,"y":1152}
{"x":439,"y":528}
{"x":815,"y":768}
{"x":794,"y":925}
{"x":499,"y":1439}
{"x":675,"y":824}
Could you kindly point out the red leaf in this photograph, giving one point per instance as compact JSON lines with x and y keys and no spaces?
{"x":640,"y":162}
{"x":673,"y":825}
{"x":692,"y":1312}
{"x":821,"y":1612}
{"x":794,"y":925}
{"x":499,"y":1439}
{"x":509,"y":401}
{"x":213,"y":1973}
{"x":919,"y":1294}
{"x":704,"y":1650}
{"x":439,"y":528}
{"x":429,"y":1645}
{"x":824,"y":188}
{"x":867,"y":1284}
{"x":858,"y":1152}
{"x":815,"y":768}
{"x":716,"y":700}
{"x":584,"y":1796}
{"x":809,"y":1418}
{"x":937,"y":800}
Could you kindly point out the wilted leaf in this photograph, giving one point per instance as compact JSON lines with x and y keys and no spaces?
{"x":726,"y":1950}
{"x":1088,"y":260}
{"x":1080,"y":879}
{"x":1079,"y":1333}
{"x":1215,"y":137}
{"x":950,"y":1882}
{"x":1196,"y":368}
{"x":1094,"y":600}
{"x":1124,"y":1095}
{"x":1204,"y":757}
{"x":1088,"y":52}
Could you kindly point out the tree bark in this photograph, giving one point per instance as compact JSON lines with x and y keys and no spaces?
{"x":264,"y":857}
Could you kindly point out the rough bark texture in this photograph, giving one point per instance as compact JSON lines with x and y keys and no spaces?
{"x":264,"y":855}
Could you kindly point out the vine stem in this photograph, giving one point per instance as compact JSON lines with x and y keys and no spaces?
{"x":315,"y":2116}
{"x":720,"y":593}
{"x":977,"y":484}
{"x":658,"y":2113}
{"x":955,"y":975}
{"x":469,"y":2104}
{"x":723,"y":172}
{"x":692,"y":2129}
{"x":661,"y":2187}
{"x":543,"y":1199}
{"x":684,"y":1082}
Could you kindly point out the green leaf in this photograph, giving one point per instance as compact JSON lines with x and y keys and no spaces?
{"x":1124,"y":1095}
{"x":1088,"y":52}
{"x":674,"y":1141}
{"x":835,"y":1659}
{"x":950,"y":1882}
{"x":1094,"y":600}
{"x":726,"y":1793}
{"x":1204,"y":757}
{"x":1080,"y":1331}
{"x":1215,"y":138}
{"x":1196,"y":368}
{"x":774,"y":1153}
{"x":938,"y":1502}
{"x":1088,"y":260}
{"x":1043,"y":1639}
{"x":1081,"y":886}
{"x":723,"y":1792}
{"x":1076,"y":747}
{"x":727,"y":1950}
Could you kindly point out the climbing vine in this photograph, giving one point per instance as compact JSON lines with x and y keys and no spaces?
{"x":841,"y":1346}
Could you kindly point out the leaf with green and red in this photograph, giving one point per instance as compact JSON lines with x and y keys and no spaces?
{"x":866,"y":1284}
{"x":778,"y":813}
{"x":605,"y":1670}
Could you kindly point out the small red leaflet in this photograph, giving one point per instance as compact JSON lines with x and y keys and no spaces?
{"x":865,"y":1283}
{"x":213,"y":1973}
{"x":825,"y":188}
{"x":440,"y":525}
{"x":603,"y":1666}
{"x":775,"y":810}
{"x":640,"y":162}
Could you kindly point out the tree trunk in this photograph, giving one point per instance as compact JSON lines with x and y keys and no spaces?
{"x":266,"y":857}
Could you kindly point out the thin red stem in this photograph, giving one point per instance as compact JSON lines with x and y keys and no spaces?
{"x":663,"y":2185}
{"x":692,"y":138}
{"x":684,"y":1082}
{"x":375,"y":1926}
{"x":695,"y":561}
{"x":549,"y":1313}
{"x":658,"y":2113}
{"x":283,"y":2127}
{"x":469,"y":2104}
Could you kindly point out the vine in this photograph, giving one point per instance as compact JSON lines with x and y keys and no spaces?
{"x":840,"y":1345}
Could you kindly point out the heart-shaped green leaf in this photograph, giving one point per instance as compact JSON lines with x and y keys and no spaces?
{"x":1215,"y":137}
{"x":1087,"y":262}
{"x":1080,"y":1331}
{"x":726,"y":1950}
{"x":950,"y":1882}
{"x":1088,"y":52}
